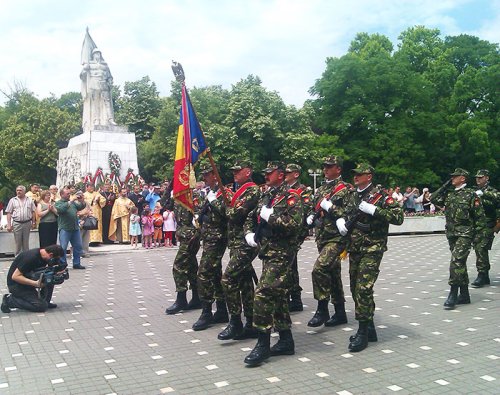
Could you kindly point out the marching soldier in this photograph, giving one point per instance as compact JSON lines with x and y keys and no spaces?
{"x":275,"y":224}
{"x":213,"y":222}
{"x":326,"y":274}
{"x":464,"y":212}
{"x":483,"y":239}
{"x":292,"y":174}
{"x":185,"y":263}
{"x":367,"y":216}
{"x":237,"y":280}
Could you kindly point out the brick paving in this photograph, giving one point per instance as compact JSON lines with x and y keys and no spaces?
{"x":110,"y":335}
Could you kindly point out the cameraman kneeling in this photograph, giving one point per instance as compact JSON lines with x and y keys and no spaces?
{"x":26,"y":293}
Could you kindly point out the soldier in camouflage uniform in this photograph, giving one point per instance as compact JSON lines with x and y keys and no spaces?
{"x":292,"y":174}
{"x":367,"y":216}
{"x":213,"y":222}
{"x":275,"y":225}
{"x":237,"y":280}
{"x":483,"y":239}
{"x":185,"y":263}
{"x":326,"y":274}
{"x":464,"y":212}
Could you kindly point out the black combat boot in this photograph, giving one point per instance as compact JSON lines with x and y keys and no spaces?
{"x":450,"y":303}
{"x":482,"y":279}
{"x":339,"y":317}
{"x":195,"y":302}
{"x":234,"y":328}
{"x":249,"y":332}
{"x":360,"y":341}
{"x":261,"y":351}
{"x":221,"y":316}
{"x":372,"y":333}
{"x":464,"y":297}
{"x":5,"y":304}
{"x":321,"y":316}
{"x":179,"y":304}
{"x":206,"y":318}
{"x":295,"y":303}
{"x":285,"y":345}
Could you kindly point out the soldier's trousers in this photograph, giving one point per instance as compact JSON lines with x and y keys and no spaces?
{"x":237,"y":281}
{"x":482,"y":244}
{"x":210,"y":270}
{"x":185,"y":264}
{"x":271,"y":295}
{"x":460,"y":248}
{"x":326,"y":273}
{"x":363,"y":272}
{"x":295,"y":287}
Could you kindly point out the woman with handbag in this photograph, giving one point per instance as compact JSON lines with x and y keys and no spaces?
{"x":46,"y":211}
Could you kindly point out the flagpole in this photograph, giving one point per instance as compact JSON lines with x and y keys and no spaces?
{"x":180,"y":77}
{"x":217,"y":176}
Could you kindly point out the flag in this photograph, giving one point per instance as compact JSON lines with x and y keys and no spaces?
{"x":190,"y":147}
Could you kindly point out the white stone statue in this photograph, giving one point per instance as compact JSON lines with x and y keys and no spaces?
{"x":97,"y":83}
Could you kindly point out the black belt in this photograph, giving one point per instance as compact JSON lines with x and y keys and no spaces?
{"x":22,"y":222}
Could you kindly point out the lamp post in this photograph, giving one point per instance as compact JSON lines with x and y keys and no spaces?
{"x":314,"y":173}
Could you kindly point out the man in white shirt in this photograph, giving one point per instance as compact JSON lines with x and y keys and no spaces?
{"x":21,"y":219}
{"x":398,"y":196}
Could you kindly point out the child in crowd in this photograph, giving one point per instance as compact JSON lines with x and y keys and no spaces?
{"x":147,"y":227}
{"x":169,"y":227}
{"x":135,"y":226}
{"x":158,"y":225}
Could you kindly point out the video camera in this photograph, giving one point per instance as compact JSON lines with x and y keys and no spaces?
{"x":54,"y":274}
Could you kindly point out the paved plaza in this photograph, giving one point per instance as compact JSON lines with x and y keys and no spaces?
{"x":110,"y":334}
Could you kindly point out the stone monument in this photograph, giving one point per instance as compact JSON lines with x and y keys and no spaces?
{"x":102,"y":138}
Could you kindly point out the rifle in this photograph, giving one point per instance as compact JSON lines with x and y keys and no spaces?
{"x":354,"y":220}
{"x":205,"y":209}
{"x":262,"y":225}
{"x":319,"y":211}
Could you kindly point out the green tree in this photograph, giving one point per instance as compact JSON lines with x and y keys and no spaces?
{"x":138,"y":107}
{"x":31,"y":136}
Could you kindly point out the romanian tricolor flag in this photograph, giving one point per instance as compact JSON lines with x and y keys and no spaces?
{"x":190,"y":147}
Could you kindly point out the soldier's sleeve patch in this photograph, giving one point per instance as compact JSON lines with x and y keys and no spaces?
{"x":389,"y":200}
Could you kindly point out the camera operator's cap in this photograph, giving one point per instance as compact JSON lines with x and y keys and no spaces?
{"x":363,"y":168}
{"x":291,"y":167}
{"x":274,"y":165}
{"x":333,"y":160}
{"x":460,"y":172}
{"x":482,"y":173}
{"x":241,"y":164}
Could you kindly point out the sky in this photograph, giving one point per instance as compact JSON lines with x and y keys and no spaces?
{"x":218,"y":42}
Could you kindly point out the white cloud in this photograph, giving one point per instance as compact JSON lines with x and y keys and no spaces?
{"x":218,"y":42}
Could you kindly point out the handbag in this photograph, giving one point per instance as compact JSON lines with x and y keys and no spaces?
{"x":90,"y":223}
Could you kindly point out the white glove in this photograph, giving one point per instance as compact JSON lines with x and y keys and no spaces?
{"x":425,"y":190}
{"x":195,"y":221}
{"x":250,"y":239}
{"x":341,"y":226}
{"x":326,"y":204}
{"x":367,"y":208}
{"x":265,"y":213}
{"x":310,"y":219}
{"x":211,"y":196}
{"x":479,"y":192}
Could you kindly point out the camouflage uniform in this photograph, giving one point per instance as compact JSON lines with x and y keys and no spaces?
{"x":237,"y":280}
{"x":463,"y":212}
{"x":326,"y":273}
{"x":305,"y":195}
{"x":214,"y":237}
{"x":185,"y":263}
{"x":281,"y":231}
{"x":367,"y":243}
{"x":483,"y":238}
